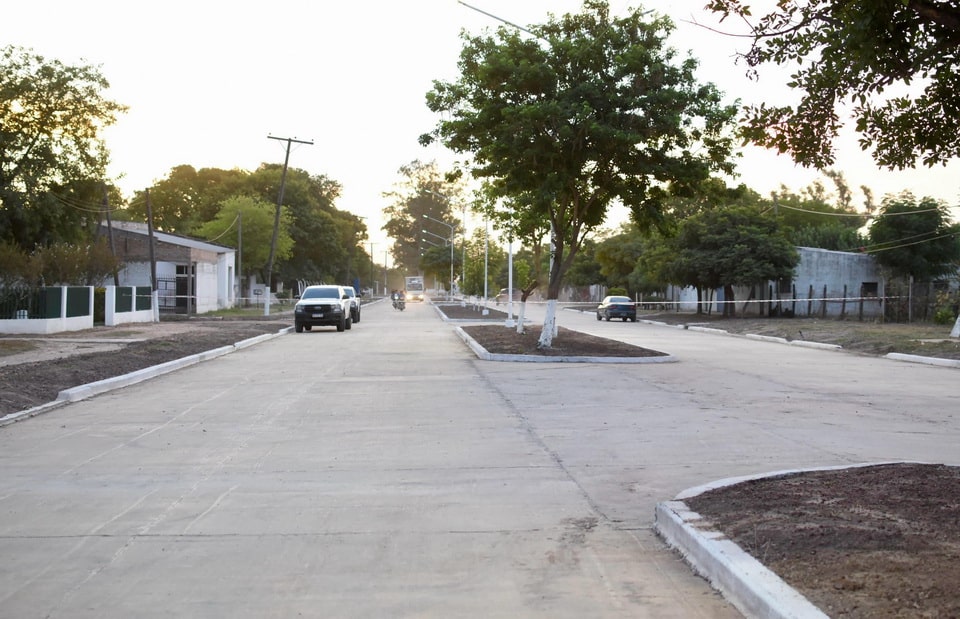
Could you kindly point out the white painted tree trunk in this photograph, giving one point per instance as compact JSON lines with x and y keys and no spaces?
{"x":520,"y":315}
{"x":956,"y":328}
{"x":549,"y":325}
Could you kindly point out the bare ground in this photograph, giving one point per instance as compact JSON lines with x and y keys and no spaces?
{"x":876,"y":542}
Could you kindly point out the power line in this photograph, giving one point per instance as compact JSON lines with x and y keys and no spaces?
{"x":879,"y":247}
{"x":867,"y":215}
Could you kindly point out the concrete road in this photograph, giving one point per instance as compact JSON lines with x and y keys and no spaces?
{"x":386,"y":472}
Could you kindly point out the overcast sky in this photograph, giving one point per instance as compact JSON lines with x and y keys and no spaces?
{"x":208,"y":80}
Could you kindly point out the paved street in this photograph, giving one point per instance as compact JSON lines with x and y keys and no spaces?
{"x":386,"y":472}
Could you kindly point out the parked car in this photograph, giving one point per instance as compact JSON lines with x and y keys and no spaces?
{"x":354,"y":303}
{"x":504,"y":295}
{"x":322,"y":306}
{"x":617,"y":307}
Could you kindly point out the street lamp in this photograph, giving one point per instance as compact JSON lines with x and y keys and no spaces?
{"x":442,"y":238}
{"x":463,"y":235}
{"x":425,"y":216}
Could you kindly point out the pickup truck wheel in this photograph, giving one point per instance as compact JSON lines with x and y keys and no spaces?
{"x":342,"y":324}
{"x":349,"y":324}
{"x":299,"y":327}
{"x":356,"y":317}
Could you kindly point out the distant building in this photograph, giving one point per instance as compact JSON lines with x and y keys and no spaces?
{"x":193,"y":276}
{"x":825,"y":283}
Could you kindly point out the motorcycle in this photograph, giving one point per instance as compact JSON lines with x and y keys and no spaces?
{"x":398,"y":302}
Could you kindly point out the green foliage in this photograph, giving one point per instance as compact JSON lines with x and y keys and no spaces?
{"x":481,"y":259}
{"x":316,"y":242}
{"x":618,"y":256}
{"x":729,"y":247}
{"x":946,"y":308}
{"x":435,"y":263}
{"x":59,"y":264}
{"x":255,"y":219}
{"x":593,"y":109}
{"x":617,"y":291}
{"x":51,"y":116}
{"x":856,"y":53}
{"x":585,"y":269}
{"x":423,"y":191}
{"x":188,"y":198}
{"x":18,"y":269}
{"x":914,"y":238}
{"x":832,"y":236}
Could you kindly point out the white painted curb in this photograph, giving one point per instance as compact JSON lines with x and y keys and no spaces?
{"x":744,"y":581}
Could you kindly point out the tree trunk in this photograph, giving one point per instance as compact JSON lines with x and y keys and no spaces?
{"x":549,"y":325}
{"x":729,"y":309}
{"x":520,"y":315}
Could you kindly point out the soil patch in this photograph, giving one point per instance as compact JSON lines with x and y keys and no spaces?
{"x":130,"y":348}
{"x":498,"y":339}
{"x":865,"y":542}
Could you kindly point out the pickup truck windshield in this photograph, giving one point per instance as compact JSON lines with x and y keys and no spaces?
{"x":320,"y":293}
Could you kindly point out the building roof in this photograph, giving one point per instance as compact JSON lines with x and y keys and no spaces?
{"x":173,"y":239}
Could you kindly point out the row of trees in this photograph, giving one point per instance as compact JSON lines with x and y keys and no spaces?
{"x":561,"y":118}
{"x":53,"y":196}
{"x":735,"y":238}
{"x":316,"y":241}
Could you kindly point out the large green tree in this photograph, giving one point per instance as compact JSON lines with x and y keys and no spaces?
{"x":51,"y":119}
{"x":424,"y":199}
{"x":915,"y":238}
{"x":325,"y":243}
{"x":188,"y":198}
{"x":591,"y":109}
{"x":727,"y":247}
{"x":246,"y":223}
{"x":894,"y":62}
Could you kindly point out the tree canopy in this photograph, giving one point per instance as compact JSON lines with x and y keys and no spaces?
{"x":423,"y":198}
{"x":317,"y":243}
{"x":727,"y":247}
{"x":51,"y":119}
{"x":592,"y":109}
{"x":895,"y":62}
{"x":915,"y":238}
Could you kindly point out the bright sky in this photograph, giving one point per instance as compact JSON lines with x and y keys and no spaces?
{"x":208,"y":80}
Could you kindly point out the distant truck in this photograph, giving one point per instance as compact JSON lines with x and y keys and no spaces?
{"x":414,"y":288}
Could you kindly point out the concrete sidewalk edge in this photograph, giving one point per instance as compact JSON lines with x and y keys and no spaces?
{"x":743,"y":581}
{"x":82,"y":392}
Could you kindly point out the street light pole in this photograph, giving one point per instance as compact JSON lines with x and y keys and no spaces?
{"x":425,"y":216}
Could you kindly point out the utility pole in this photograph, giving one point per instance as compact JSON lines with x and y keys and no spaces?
{"x":113,"y":249}
{"x":276,"y":218}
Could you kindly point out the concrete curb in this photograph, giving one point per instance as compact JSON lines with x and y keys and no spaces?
{"x":82,"y":392}
{"x":947,"y":363}
{"x":894,"y":356}
{"x":743,"y":581}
